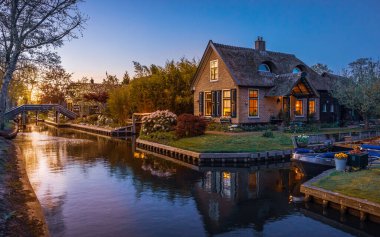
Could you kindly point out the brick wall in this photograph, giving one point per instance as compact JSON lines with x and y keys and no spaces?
{"x":268,"y":106}
{"x":203,"y":83}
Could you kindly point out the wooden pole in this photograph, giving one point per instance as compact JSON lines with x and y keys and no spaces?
{"x":133,"y":124}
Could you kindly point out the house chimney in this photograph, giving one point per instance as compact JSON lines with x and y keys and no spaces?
{"x":260,"y":44}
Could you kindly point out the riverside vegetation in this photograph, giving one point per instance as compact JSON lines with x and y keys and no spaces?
{"x":15,"y":219}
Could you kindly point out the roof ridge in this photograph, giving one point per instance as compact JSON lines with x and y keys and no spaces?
{"x":251,"y":49}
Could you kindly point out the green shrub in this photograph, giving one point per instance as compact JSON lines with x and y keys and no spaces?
{"x":258,"y":127}
{"x":302,"y":128}
{"x":160,"y":137}
{"x":214,"y":126}
{"x":268,"y":134}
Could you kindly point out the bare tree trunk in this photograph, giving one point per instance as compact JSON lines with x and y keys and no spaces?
{"x":4,"y":90}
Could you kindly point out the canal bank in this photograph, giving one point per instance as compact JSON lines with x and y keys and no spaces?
{"x":198,"y":158}
{"x":108,"y":132}
{"x":350,"y":193}
{"x":20,"y":211}
{"x":92,"y":185}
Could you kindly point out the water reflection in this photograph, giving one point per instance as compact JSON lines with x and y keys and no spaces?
{"x":242,"y":198}
{"x":94,"y":186}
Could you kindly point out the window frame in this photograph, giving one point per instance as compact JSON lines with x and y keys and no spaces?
{"x":216,"y":72}
{"x":296,"y":68}
{"x":324,"y":108}
{"x":228,"y":98}
{"x":205,"y":104}
{"x":266,"y":66}
{"x":258,"y":102}
{"x":302,"y":107}
{"x":314,"y":107}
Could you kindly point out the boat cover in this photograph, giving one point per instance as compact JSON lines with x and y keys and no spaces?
{"x":372,"y":147}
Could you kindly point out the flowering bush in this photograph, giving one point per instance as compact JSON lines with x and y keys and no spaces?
{"x":341,"y":156}
{"x":104,"y":120}
{"x":161,"y":120}
{"x":189,"y":125}
{"x":356,"y":151}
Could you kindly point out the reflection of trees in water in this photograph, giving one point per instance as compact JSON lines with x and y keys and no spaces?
{"x":53,"y":211}
{"x":253,"y":198}
{"x":160,"y":177}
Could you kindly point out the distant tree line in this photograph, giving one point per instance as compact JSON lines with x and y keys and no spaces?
{"x":154,"y":88}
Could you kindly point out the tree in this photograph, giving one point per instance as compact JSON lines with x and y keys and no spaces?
{"x":54,"y":86}
{"x":24,"y":83}
{"x":321,"y":68}
{"x":110,"y":80}
{"x":359,"y":88}
{"x":126,"y":79}
{"x":140,"y":70}
{"x":29,"y":29}
{"x":157,"y":88}
{"x":118,"y":104}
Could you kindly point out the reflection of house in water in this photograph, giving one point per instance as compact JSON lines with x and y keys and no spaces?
{"x":228,"y":199}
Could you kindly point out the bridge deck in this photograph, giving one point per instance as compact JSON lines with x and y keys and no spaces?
{"x":40,"y":107}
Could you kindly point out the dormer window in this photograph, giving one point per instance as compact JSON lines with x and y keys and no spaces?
{"x":297,"y":70}
{"x":264,"y":67}
{"x":214,"y":70}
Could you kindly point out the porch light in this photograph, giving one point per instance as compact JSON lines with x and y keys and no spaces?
{"x":278,"y":100}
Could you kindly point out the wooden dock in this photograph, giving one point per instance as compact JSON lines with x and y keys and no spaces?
{"x":361,"y":208}
{"x":118,"y":132}
{"x":198,"y":159}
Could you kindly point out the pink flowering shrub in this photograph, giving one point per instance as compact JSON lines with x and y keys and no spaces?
{"x":161,"y":120}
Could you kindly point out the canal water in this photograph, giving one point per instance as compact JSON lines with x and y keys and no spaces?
{"x":95,"y":186}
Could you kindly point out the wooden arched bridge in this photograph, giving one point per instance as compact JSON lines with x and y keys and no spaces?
{"x":23,"y":109}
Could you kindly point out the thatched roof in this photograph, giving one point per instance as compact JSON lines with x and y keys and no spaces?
{"x":243,"y":64}
{"x":292,"y":84}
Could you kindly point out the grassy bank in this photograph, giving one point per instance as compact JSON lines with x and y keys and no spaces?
{"x":362,"y":184}
{"x":247,"y":142}
{"x":15,"y":219}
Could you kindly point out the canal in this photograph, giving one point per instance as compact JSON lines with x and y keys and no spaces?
{"x":96,"y":186}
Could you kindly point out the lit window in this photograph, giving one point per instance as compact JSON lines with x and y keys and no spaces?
{"x":296,"y":70}
{"x":299,"y":108}
{"x":214,"y":70}
{"x":227,"y":103}
{"x":311,"y":107}
{"x":208,"y":104}
{"x":226,"y":184}
{"x":253,"y":103}
{"x":264,"y":68}
{"x":332,"y":108}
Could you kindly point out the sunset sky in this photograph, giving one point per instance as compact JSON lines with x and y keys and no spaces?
{"x":151,"y":31}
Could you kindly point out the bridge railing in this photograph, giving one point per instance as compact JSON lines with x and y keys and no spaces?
{"x":40,"y":107}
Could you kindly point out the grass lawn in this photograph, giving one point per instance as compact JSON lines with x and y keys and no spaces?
{"x":234,"y":142}
{"x":253,"y":142}
{"x":361,"y":184}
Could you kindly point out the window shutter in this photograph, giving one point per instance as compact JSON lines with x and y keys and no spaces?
{"x":213,"y":102}
{"x":218,"y":103}
{"x":233,"y":103}
{"x":201,"y":103}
